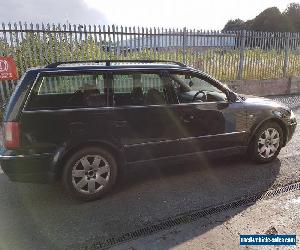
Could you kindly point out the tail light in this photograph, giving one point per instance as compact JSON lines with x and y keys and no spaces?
{"x":11,"y":135}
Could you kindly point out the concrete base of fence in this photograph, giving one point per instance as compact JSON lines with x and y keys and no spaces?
{"x":290,"y":85}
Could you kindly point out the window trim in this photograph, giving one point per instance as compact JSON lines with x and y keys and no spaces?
{"x":67,"y":73}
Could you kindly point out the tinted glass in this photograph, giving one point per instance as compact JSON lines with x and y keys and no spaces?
{"x":139,"y":89}
{"x":193,"y":88}
{"x":68,"y":91}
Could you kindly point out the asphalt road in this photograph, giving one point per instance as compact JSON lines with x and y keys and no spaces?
{"x":34,"y":216}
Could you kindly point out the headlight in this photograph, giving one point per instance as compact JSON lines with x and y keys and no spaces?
{"x":292,"y":115}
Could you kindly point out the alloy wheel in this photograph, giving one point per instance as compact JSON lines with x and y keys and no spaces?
{"x":268,"y":143}
{"x":90,"y":174}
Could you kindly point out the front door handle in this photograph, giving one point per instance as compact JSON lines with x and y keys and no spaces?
{"x":119,"y":124}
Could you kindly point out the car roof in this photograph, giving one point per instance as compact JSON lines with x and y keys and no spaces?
{"x":112,"y":64}
{"x":115,"y":62}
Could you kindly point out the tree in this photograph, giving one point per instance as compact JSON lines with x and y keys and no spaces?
{"x":272,"y":20}
{"x":292,"y":13}
{"x":236,"y":24}
{"x":248,"y":24}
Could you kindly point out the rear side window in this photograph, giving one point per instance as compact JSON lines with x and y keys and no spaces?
{"x":68,"y":91}
{"x":139,"y":89}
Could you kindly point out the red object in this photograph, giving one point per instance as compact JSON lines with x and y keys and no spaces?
{"x":8,"y":68}
{"x":11,"y":135}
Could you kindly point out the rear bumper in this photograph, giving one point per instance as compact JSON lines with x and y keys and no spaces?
{"x":27,"y":168}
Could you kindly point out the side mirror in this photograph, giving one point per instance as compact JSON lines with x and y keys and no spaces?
{"x":191,"y":83}
{"x":231,"y":96}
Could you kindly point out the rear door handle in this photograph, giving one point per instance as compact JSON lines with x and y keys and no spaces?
{"x":187,"y":118}
{"x":119,"y":124}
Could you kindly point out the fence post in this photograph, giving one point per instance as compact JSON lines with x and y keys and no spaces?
{"x":242,"y":54}
{"x":286,"y":55}
{"x":2,"y":53}
{"x":184,"y":41}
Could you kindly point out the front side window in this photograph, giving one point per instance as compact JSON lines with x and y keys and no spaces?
{"x":139,"y":89}
{"x":192,"y":88}
{"x":68,"y":91}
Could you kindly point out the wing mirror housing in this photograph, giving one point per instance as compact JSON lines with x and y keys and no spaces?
{"x":232,"y":97}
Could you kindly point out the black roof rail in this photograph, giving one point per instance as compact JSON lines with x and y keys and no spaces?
{"x":108,"y":62}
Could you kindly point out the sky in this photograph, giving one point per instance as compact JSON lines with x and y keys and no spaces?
{"x":208,"y":14}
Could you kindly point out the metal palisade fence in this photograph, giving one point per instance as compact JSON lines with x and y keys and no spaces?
{"x":224,"y":55}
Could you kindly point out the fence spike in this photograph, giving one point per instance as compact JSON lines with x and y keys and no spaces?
{"x":61,"y":41}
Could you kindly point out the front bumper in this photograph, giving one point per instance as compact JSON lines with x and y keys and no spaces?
{"x":27,"y":168}
{"x":291,"y":130}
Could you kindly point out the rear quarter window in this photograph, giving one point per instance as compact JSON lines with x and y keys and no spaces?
{"x":19,"y":96}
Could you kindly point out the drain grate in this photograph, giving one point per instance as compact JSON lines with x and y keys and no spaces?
{"x":281,"y":190}
{"x":187,"y":218}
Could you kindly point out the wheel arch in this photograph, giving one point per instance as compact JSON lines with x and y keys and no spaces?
{"x":271,"y":119}
{"x":63,"y":154}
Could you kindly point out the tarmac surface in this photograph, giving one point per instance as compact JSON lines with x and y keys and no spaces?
{"x":35,"y":216}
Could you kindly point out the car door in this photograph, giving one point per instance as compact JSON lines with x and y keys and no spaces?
{"x":207,"y":121}
{"x":66,"y":109}
{"x":141,"y":116}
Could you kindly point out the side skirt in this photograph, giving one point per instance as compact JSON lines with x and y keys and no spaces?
{"x":198,"y":156}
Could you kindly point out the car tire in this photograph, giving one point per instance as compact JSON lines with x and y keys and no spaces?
{"x":266,"y":143}
{"x":90,"y":173}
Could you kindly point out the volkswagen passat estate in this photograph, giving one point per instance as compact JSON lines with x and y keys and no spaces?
{"x":84,"y":122}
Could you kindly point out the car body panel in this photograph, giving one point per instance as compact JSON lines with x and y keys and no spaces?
{"x":209,"y":126}
{"x":261,"y":110}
